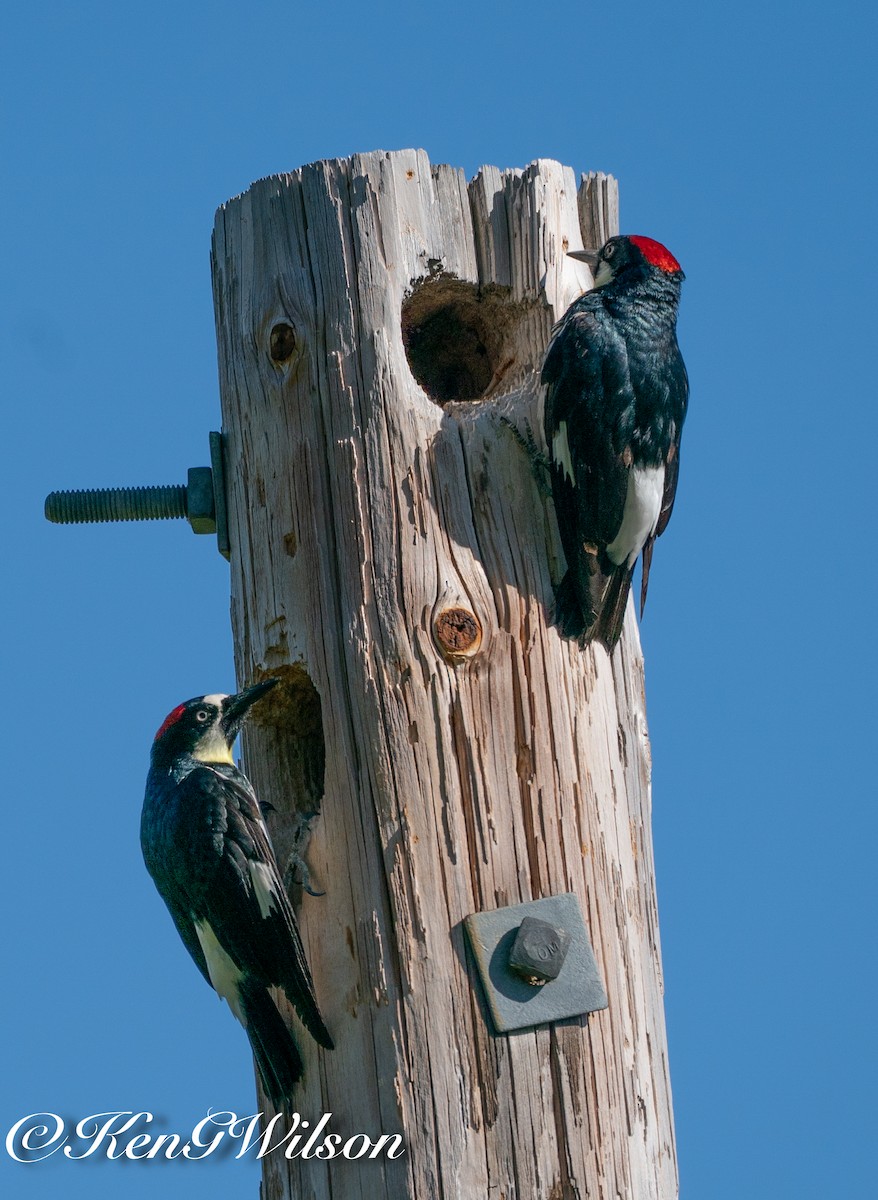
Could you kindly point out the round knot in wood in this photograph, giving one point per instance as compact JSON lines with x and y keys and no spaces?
{"x":282,"y":342}
{"x":458,"y":633}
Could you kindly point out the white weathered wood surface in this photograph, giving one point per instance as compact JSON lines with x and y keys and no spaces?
{"x":360,"y":509}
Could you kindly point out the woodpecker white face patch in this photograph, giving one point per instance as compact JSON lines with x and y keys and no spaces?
{"x":263,"y":888}
{"x":643,"y":503}
{"x":212,"y":747}
{"x":604,"y":274}
{"x":561,"y":451}
{"x":224,"y":975}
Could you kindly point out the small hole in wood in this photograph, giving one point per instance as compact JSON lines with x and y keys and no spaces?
{"x":454,"y":335}
{"x":282,"y":342}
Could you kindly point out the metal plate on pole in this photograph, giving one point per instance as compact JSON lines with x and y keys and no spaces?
{"x":515,"y":1003}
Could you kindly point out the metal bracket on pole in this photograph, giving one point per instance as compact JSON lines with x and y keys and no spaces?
{"x":202,"y":501}
{"x":536,"y":963}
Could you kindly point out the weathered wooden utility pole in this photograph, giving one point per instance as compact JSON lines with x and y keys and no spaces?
{"x":392,"y":560}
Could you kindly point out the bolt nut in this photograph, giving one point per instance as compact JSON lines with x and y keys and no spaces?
{"x":538,"y":952}
{"x":199,"y":500}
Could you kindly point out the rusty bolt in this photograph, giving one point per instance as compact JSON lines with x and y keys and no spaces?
{"x":458,"y":633}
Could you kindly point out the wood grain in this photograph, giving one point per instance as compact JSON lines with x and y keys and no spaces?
{"x":361,"y":511}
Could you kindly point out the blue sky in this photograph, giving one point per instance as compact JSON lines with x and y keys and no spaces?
{"x":740,"y":138}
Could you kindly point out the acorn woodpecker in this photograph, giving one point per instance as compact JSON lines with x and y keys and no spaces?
{"x":207,"y":849}
{"x":615,"y":406}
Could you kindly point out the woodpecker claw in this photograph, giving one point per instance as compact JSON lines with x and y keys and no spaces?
{"x":538,"y":460}
{"x":297,"y":873}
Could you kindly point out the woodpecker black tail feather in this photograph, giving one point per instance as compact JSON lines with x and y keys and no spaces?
{"x":309,"y":1014}
{"x":607,"y":628}
{"x":568,"y":610}
{"x":608,"y":597}
{"x":277,"y":1055}
{"x":646,"y":560}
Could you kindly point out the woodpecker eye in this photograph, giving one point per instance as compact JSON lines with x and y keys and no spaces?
{"x":609,"y":250}
{"x":202,"y":714}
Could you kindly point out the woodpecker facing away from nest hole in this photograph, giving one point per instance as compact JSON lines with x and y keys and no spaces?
{"x":615,"y":406}
{"x":207,"y":849}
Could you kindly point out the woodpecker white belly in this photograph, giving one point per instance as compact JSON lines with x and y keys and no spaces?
{"x":643,"y":503}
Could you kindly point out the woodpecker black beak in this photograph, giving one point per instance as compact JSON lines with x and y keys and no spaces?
{"x":591,"y":257}
{"x":236,"y":708}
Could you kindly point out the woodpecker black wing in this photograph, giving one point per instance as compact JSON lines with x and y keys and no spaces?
{"x":244,"y":900}
{"x":590,"y":417}
{"x":166,"y":855}
{"x":206,"y":846}
{"x":676,"y":400}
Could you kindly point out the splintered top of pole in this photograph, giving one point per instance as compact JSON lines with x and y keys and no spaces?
{"x":509,"y":229}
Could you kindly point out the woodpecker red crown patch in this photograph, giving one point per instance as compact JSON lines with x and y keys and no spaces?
{"x":170,"y":720}
{"x":654,"y":252}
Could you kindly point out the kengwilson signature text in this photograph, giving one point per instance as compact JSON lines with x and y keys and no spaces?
{"x":123,"y":1135}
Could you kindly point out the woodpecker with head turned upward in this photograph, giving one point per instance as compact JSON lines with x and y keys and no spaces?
{"x":207,"y":849}
{"x":615,"y":406}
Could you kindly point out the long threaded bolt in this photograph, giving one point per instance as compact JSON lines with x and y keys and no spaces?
{"x":202,"y":501}
{"x":117,"y":504}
